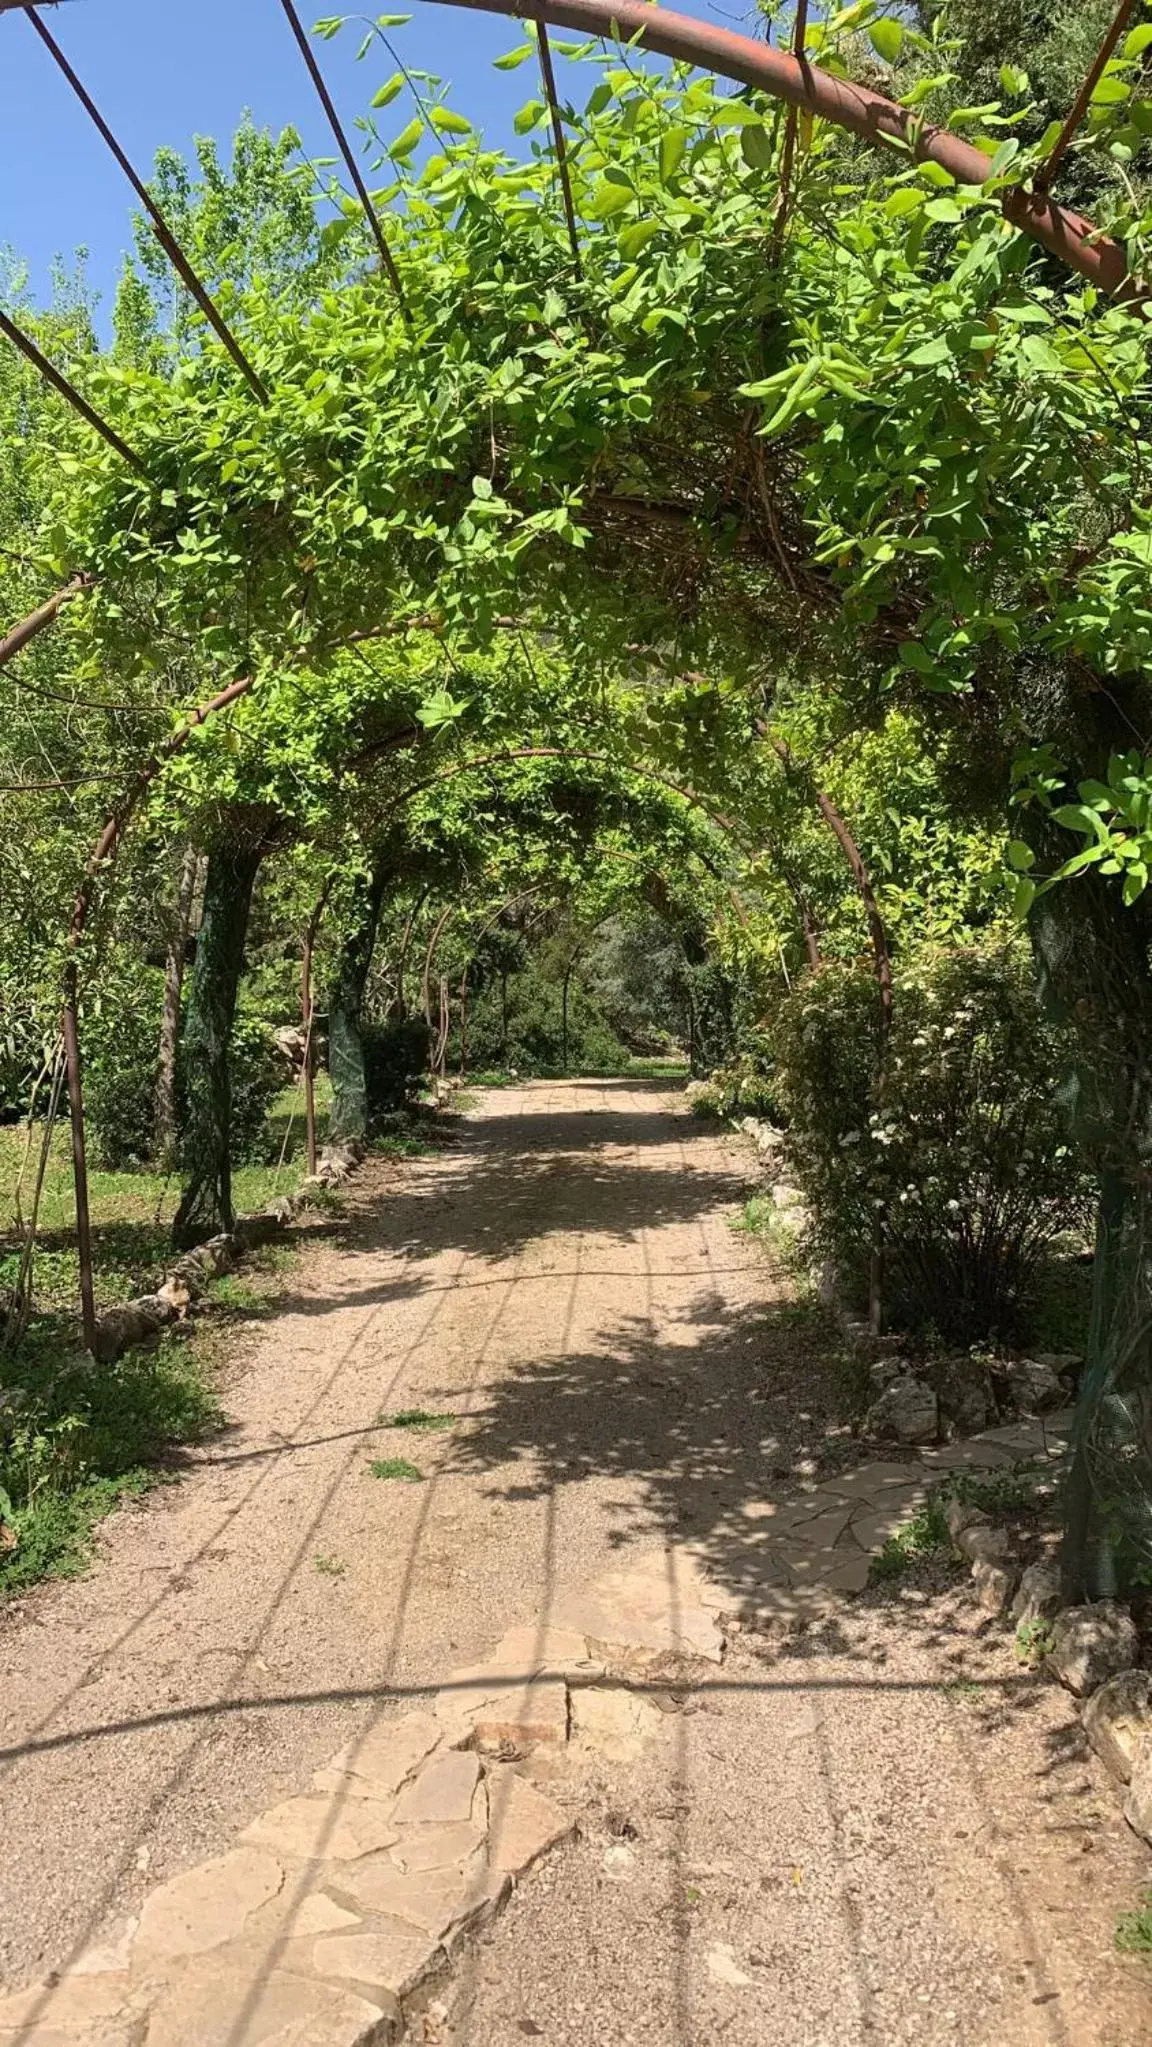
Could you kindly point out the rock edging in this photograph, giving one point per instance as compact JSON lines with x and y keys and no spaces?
{"x":142,"y":1320}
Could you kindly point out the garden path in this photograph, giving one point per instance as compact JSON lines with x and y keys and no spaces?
{"x":874,"y":1831}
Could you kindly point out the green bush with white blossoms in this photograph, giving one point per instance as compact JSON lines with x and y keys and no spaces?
{"x":947,"y":1137}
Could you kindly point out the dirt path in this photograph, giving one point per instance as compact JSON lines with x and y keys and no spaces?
{"x":549,"y":1278}
{"x":877,"y":1854}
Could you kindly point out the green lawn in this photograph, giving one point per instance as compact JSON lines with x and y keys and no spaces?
{"x":131,"y":1211}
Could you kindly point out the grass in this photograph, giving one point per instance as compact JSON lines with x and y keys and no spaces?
{"x":131,"y":1211}
{"x":75,"y":1438}
{"x":416,"y":1418}
{"x":395,"y":1467}
{"x":1134,"y":1929}
{"x":329,"y":1566}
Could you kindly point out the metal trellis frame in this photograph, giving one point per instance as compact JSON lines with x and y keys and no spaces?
{"x":163,"y":232}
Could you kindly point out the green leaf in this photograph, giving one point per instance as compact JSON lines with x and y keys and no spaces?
{"x":481,"y":487}
{"x":1020,"y":856}
{"x":1137,"y":40}
{"x":887,"y":38}
{"x":943,"y":209}
{"x":905,"y":199}
{"x":512,"y":59}
{"x":1023,"y":897}
{"x":932,"y":352}
{"x":407,"y":139}
{"x":528,"y":116}
{"x":756,"y":147}
{"x":392,"y":20}
{"x":447,"y":121}
{"x":388,"y":92}
{"x":636,"y":236}
{"x":913,"y":655}
{"x":673,"y":143}
{"x":608,"y":198}
{"x":1013,"y":81}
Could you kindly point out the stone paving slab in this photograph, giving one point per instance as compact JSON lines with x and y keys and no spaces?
{"x":338,"y":1903}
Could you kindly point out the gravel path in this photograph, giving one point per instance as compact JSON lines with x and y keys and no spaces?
{"x":876,"y":1831}
{"x":554,"y":1277}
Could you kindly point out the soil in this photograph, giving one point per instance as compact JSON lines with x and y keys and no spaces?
{"x":883,"y":1824}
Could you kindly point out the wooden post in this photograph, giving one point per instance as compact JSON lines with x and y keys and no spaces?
{"x":79,"y":1157}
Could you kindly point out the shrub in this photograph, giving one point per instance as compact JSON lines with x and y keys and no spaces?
{"x":958,"y":1147}
{"x":395,"y":1063}
{"x":121,"y":1049}
{"x":257,"y":1073}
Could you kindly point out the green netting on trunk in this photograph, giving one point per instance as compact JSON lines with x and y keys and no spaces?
{"x":1094,"y":955}
{"x":206,"y":1203}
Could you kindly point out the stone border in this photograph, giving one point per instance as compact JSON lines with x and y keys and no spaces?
{"x":142,"y":1320}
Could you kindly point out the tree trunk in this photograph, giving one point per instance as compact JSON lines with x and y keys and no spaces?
{"x":164,"y":1108}
{"x":206,"y":1203}
{"x":345,"y":1041}
{"x":564,"y":1021}
{"x":504,"y":1016}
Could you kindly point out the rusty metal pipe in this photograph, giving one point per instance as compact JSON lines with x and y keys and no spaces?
{"x":1073,"y":240}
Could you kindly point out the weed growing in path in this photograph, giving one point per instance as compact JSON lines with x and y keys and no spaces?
{"x":415,"y":1418}
{"x":328,"y":1565}
{"x":924,"y":1533}
{"x":1134,"y":1929}
{"x":395,"y":1467}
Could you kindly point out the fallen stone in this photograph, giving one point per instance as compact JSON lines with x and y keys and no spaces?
{"x":523,"y":1823}
{"x":61,"y":2011}
{"x":638,"y":1613}
{"x":392,"y":1958}
{"x":1039,"y":1595}
{"x":379,"y":1761}
{"x":324,"y":1829}
{"x":437,"y":1902}
{"x":133,"y":1326}
{"x":557,"y":1652}
{"x":614,"y":1722}
{"x":522,"y":1717}
{"x":906,"y":1412}
{"x":961,"y":1515}
{"x":205,"y":1907}
{"x":230,"y":2002}
{"x":1138,"y":1804}
{"x":1117,"y":1717}
{"x":1090,"y":1644}
{"x":983,"y":1544}
{"x":722,"y":1965}
{"x":1033,"y":1386}
{"x":318,"y":1914}
{"x":884,"y":1372}
{"x":995,"y":1584}
{"x":441,"y":1792}
{"x":421,"y":1848}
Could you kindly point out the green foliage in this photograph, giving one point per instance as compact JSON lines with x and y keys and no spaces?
{"x":953,"y":1142}
{"x":417,"y":1418}
{"x":1134,"y":1928}
{"x":395,"y":1467}
{"x":75,"y":1437}
{"x":395,"y":1063}
{"x":924,"y":1534}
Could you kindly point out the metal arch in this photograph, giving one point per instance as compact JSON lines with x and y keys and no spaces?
{"x":1068,"y":236}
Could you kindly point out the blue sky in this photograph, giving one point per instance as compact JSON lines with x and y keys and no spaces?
{"x":162,"y":71}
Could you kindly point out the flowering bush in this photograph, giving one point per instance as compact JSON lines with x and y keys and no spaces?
{"x":950,"y":1137}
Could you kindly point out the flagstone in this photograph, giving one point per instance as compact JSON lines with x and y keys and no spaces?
{"x":332,"y":1829}
{"x":205,"y":1907}
{"x":441,"y":1793}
